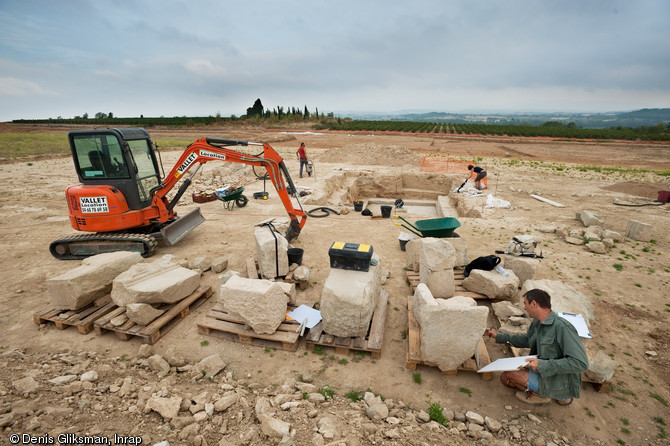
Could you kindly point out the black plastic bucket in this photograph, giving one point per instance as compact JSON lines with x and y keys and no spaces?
{"x":358,"y":206}
{"x":403,"y":244}
{"x":386,"y":211}
{"x":295,"y":255}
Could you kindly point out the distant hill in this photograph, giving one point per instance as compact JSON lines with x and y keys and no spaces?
{"x":648,"y":117}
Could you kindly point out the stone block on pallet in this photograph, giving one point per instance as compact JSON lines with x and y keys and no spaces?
{"x":162,"y":281}
{"x":259,"y":303}
{"x":450,"y":328}
{"x":492,"y":284}
{"x":349,"y":298}
{"x":437,"y":258}
{"x":79,"y":287}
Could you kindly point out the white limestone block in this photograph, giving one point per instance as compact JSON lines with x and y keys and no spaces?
{"x":271,"y":252}
{"x":162,"y":281}
{"x":93,"y":279}
{"x":260,"y":303}
{"x":450,"y":328}
{"x":492,"y":284}
{"x":523,"y":267}
{"x":436,"y":257}
{"x":349,"y":298}
{"x":637,"y":230}
{"x":142,"y":314}
{"x":564,"y":298}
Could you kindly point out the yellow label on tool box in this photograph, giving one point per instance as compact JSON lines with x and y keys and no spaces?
{"x":341,"y":245}
{"x":350,"y":256}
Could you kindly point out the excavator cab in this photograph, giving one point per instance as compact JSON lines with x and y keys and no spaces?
{"x":121,"y":158}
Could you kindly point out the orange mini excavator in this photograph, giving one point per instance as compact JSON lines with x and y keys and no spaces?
{"x":121,"y":200}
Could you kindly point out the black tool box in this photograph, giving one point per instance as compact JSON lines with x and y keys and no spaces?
{"x":351,"y":256}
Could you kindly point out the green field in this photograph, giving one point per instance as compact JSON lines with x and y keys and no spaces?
{"x":21,"y":145}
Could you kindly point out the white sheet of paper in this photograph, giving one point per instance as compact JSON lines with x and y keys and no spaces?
{"x":304,"y":312}
{"x":577,"y":320}
{"x":505,"y":364}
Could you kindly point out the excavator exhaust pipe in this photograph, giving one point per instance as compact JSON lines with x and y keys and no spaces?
{"x":181,"y":227}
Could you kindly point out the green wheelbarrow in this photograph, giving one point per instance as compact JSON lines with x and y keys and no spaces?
{"x":433,"y":227}
{"x":233,"y":197}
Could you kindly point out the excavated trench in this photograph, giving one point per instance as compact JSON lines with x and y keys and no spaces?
{"x":422,"y":194}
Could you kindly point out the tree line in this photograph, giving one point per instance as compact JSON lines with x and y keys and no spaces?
{"x":259,"y":114}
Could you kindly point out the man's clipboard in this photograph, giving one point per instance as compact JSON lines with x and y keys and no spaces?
{"x":506,"y":364}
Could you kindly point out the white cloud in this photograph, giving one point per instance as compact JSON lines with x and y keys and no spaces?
{"x":204,"y":68}
{"x":11,"y":86}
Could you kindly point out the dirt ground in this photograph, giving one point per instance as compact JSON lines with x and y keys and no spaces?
{"x":631,"y":300}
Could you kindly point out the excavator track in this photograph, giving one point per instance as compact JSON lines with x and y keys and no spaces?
{"x":80,"y":246}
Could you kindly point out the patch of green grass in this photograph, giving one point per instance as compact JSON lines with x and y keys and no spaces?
{"x":18,"y":145}
{"x":416,"y":377}
{"x":358,"y":355}
{"x":404,"y":334}
{"x":620,"y":441}
{"x":659,"y":398}
{"x":661,"y":430}
{"x":625,"y":421}
{"x":327,"y":391}
{"x":435,"y":413}
{"x":618,"y":266}
{"x":589,"y":413}
{"x":466,"y":391}
{"x":353,"y":396}
{"x":343,"y":361}
{"x":625,"y":430}
{"x":597,"y":293}
{"x":204,"y":343}
{"x":639,"y":285}
{"x":317,"y":350}
{"x":305,"y":395}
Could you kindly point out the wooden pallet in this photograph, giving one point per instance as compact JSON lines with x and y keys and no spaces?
{"x":371,"y":343}
{"x":217,"y":322}
{"x":151,"y":333}
{"x":83,"y":319}
{"x":413,"y":279}
{"x":414,"y":350}
{"x":253,"y":272}
{"x":597,"y":386}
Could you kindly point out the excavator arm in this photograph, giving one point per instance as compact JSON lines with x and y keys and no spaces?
{"x":214,"y":149}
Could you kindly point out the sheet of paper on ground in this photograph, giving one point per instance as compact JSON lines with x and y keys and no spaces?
{"x":305,"y":312}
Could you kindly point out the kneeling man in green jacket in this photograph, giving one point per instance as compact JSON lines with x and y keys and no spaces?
{"x":556,"y":373}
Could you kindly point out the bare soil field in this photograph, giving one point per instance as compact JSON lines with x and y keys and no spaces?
{"x":629,"y":288}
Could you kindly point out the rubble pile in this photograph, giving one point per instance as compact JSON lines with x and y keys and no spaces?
{"x":164,"y":399}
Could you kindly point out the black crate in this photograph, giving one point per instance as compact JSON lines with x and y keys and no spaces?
{"x":351,"y":256}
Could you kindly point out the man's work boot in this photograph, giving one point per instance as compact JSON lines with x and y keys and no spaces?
{"x":532,"y":398}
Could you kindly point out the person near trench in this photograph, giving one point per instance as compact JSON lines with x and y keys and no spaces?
{"x":556,"y":372}
{"x":302,"y":156}
{"x":480,"y":174}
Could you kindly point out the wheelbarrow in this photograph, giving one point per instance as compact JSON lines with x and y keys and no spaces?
{"x":433,"y":227}
{"x":232,"y":198}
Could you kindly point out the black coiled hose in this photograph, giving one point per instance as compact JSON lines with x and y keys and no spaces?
{"x":325,"y":212}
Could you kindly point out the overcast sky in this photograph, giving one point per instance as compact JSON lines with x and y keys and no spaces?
{"x":202,"y":57}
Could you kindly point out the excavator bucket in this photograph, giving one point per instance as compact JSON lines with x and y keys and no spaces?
{"x":181,"y":227}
